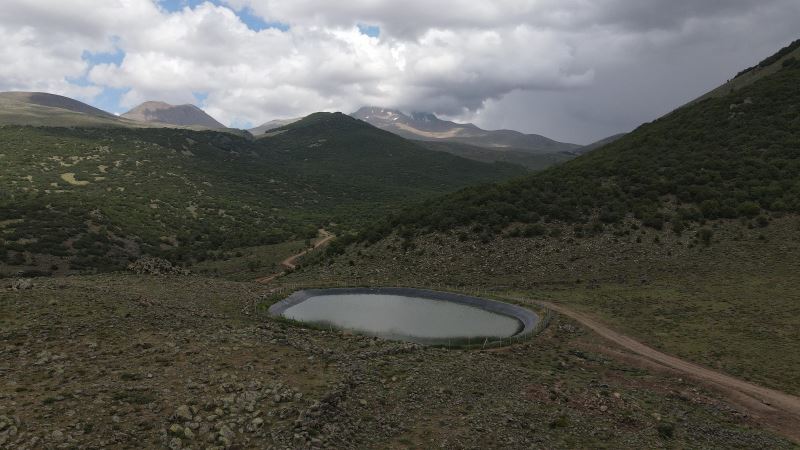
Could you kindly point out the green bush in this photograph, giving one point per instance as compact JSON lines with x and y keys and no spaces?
{"x":666,"y":430}
{"x":705,"y":235}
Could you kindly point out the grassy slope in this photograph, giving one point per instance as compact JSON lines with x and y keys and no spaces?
{"x":766,"y":68}
{"x":13,"y":112}
{"x":731,"y":305}
{"x":189,"y":194}
{"x":250,"y":262}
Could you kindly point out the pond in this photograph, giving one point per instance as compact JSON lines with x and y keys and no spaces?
{"x":421,"y":316}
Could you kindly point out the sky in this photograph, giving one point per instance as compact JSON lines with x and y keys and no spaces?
{"x":572,"y":70}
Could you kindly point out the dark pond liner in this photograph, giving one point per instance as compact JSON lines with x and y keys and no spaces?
{"x":528,"y":319}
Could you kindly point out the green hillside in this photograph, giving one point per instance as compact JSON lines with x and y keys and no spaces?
{"x":734,"y":157}
{"x":100,"y":196}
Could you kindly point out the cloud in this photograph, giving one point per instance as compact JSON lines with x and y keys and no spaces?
{"x":573,"y":69}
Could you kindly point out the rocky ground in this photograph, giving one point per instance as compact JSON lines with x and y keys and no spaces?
{"x":131,"y":361}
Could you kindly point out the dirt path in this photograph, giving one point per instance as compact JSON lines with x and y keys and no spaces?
{"x":290,"y":263}
{"x":775,"y":409}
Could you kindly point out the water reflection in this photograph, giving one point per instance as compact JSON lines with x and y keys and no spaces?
{"x":407,"y":318}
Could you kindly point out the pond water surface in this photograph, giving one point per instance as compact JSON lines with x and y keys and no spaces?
{"x":408,"y":318}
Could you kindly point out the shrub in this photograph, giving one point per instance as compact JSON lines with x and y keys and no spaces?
{"x":678,"y":227}
{"x":705,"y":235}
{"x":666,"y":430}
{"x":560,"y":422}
{"x":749,"y":209}
{"x":534,"y":230}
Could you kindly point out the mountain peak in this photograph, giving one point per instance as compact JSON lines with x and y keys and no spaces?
{"x":186,"y":115}
{"x":426,"y":126}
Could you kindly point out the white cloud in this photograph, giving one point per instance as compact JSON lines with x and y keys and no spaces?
{"x":558,"y":67}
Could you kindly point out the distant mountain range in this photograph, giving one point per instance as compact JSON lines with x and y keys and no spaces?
{"x":428,"y":127}
{"x":466,"y":140}
{"x":51,"y":110}
{"x":160,"y":113}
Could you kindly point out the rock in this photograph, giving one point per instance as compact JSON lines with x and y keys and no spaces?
{"x":226,"y":434}
{"x":175,"y":443}
{"x":188,"y":433}
{"x":176,"y":430}
{"x":22,"y":284}
{"x":184,"y":413}
{"x":58,"y":436}
{"x":255,"y":425}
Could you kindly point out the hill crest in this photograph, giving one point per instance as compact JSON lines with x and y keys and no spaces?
{"x":186,"y":115}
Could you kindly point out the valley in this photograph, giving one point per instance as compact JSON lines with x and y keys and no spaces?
{"x":141,"y":254}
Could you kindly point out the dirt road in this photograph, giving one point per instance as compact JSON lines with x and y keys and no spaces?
{"x":290,"y":263}
{"x":775,"y":409}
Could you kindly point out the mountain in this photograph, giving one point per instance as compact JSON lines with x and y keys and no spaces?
{"x":161,"y":113}
{"x":271,"y":125}
{"x":94,"y":197}
{"x":42,"y":109}
{"x":428,"y":127}
{"x":731,"y":157}
{"x":54,"y":101}
{"x":598,"y":144}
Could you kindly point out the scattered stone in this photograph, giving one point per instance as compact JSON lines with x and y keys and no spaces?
{"x":175,"y":444}
{"x":226,"y":434}
{"x":183,"y":412}
{"x":22,"y":284}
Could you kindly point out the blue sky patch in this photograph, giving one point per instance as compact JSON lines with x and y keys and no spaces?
{"x":246,"y":15}
{"x":256,"y":23}
{"x":200,"y":98}
{"x":370,"y":30}
{"x":242,"y":124}
{"x":103,"y":58}
{"x":109,"y":99}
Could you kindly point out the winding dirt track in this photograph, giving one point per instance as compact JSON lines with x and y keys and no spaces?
{"x":290,"y":263}
{"x":775,"y":409}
